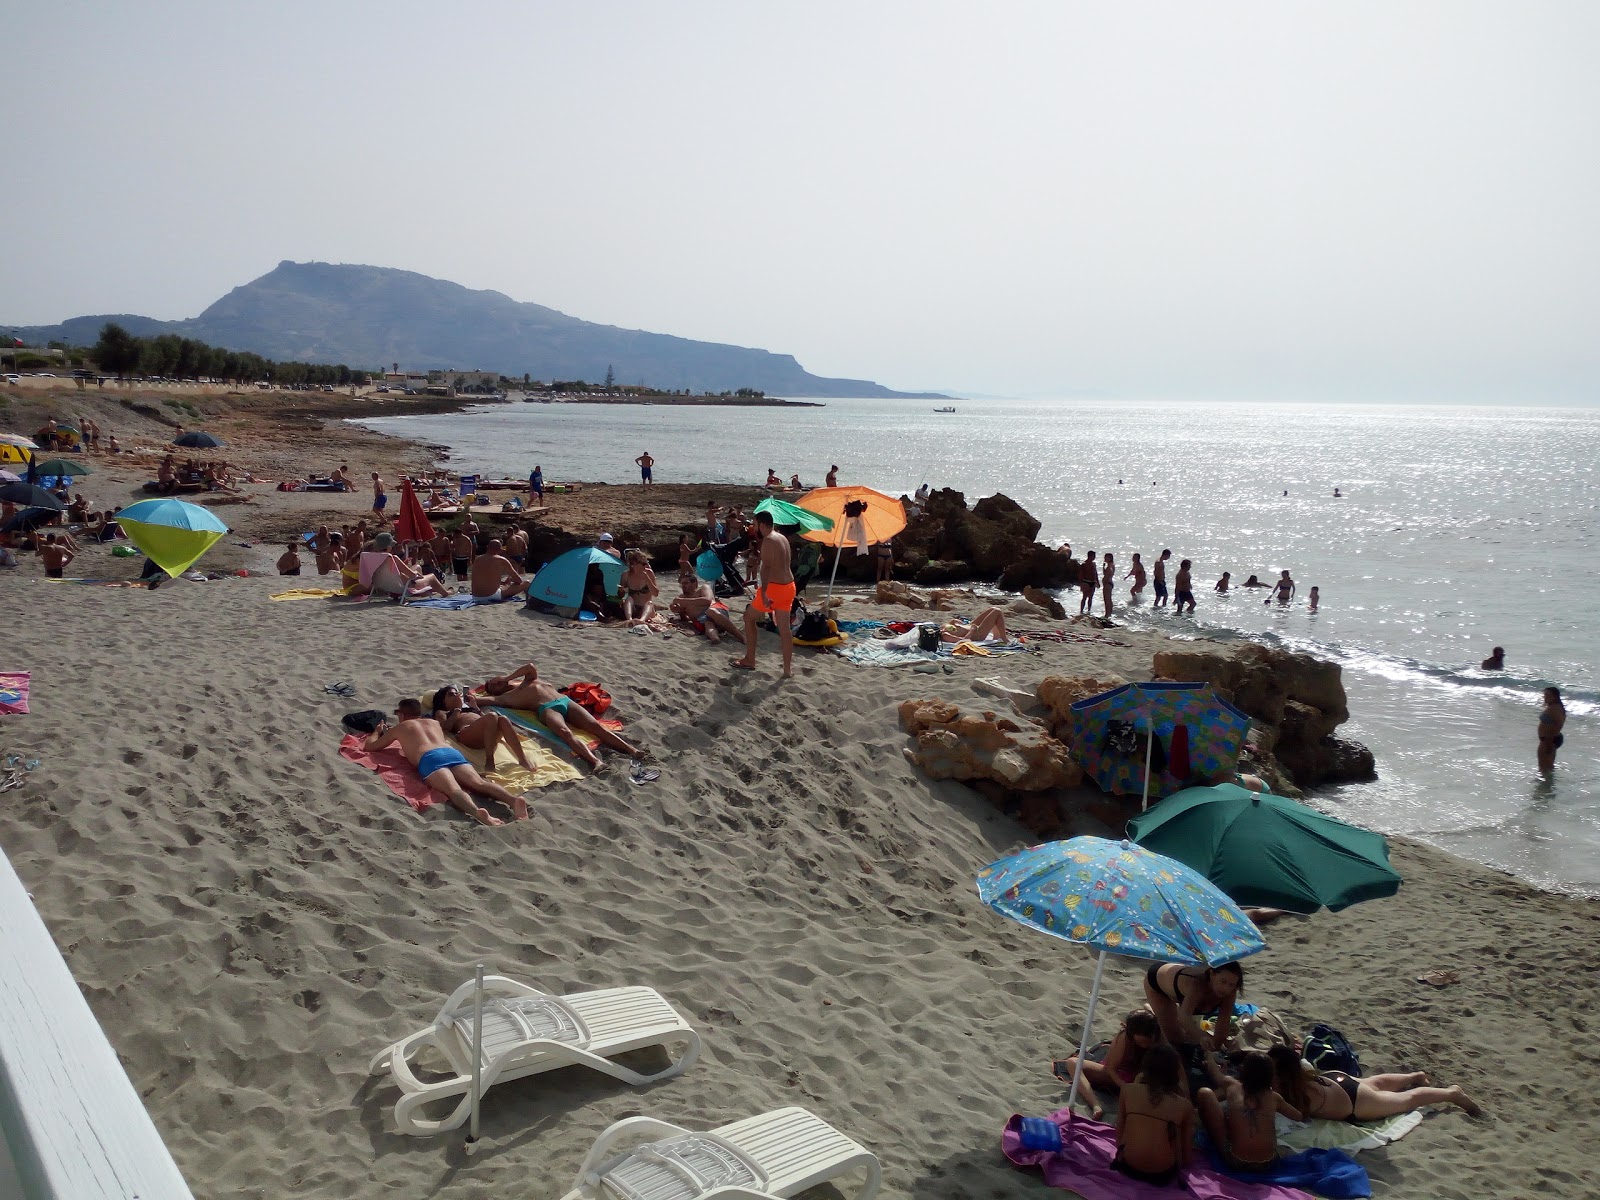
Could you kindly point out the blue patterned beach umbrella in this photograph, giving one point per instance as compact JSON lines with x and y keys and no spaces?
{"x":1108,"y":737}
{"x":1118,"y":898}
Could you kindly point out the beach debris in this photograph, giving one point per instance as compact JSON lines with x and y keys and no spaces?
{"x":1439,"y":978}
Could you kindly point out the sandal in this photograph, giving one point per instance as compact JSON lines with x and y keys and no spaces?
{"x":346,"y":690}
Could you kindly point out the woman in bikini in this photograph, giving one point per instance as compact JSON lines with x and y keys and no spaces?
{"x":1240,"y":1122}
{"x":463,"y":720}
{"x":1108,"y":580}
{"x":639,"y":589}
{"x":1340,"y":1097}
{"x":1179,"y":994}
{"x":1121,"y":1065}
{"x":1551,"y":721}
{"x":1155,"y":1123}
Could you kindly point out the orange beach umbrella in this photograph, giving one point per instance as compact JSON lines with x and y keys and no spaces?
{"x":411,"y":522}
{"x":859,"y":514}
{"x":881,"y":517}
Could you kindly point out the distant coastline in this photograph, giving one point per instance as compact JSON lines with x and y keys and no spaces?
{"x":664,"y":398}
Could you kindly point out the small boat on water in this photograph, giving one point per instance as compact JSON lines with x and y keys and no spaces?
{"x":951,"y":409}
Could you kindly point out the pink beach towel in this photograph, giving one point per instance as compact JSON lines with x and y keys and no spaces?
{"x":394,"y":769}
{"x":1083,"y":1165}
{"x":14,"y":691}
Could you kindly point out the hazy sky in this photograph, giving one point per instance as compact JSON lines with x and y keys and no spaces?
{"x":1353,"y":200}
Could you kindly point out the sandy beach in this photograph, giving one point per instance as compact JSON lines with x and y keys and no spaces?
{"x":251,"y":916}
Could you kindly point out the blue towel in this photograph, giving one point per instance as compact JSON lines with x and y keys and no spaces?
{"x":457,"y":602}
{"x":1325,"y":1172}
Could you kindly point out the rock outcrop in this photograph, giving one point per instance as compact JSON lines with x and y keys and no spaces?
{"x":952,"y":744}
{"x":1299,"y":699}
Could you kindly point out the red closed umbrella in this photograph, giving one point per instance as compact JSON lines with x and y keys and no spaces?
{"x":411,"y":523}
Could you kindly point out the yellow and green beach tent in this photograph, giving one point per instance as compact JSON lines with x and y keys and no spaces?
{"x":173,"y":533}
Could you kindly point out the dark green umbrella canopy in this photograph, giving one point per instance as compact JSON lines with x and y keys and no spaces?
{"x":58,"y":468}
{"x":1267,"y":850}
{"x":30,"y":496}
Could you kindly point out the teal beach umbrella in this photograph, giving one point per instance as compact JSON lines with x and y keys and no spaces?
{"x":1268,"y":850}
{"x":784,"y":513}
{"x":172,"y":533}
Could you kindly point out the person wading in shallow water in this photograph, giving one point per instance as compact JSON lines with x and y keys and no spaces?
{"x":1551,"y":720}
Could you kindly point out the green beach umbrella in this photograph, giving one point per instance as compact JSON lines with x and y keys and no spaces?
{"x":784,"y":513}
{"x":1266,"y":850}
{"x":61,"y":467}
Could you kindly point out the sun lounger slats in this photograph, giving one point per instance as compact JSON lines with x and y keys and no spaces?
{"x":795,"y":1148}
{"x":525,"y":1032}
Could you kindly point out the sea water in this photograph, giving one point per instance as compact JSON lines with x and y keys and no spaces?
{"x":1459,"y":529}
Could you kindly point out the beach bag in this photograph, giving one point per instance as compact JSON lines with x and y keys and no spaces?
{"x":591,"y":695}
{"x":365,"y":721}
{"x":928,"y":637}
{"x":1121,"y":738}
{"x":1327,"y":1050}
{"x":813,"y":627}
{"x":1260,"y":1030}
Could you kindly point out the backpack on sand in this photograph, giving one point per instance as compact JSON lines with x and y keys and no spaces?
{"x":1326,"y":1049}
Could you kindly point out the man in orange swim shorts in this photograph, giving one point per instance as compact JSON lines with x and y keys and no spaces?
{"x":775,"y":593}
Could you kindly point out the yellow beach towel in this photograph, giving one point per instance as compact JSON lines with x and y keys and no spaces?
{"x":306,"y":593}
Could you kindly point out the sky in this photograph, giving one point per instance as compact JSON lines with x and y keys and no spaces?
{"x":1349,"y":201}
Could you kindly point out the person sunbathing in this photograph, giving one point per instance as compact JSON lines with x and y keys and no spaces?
{"x":522,"y":688}
{"x":1155,"y":1123}
{"x":1336,"y":1096}
{"x":1240,"y":1122}
{"x":442,"y":767}
{"x":397,"y":578}
{"x":492,"y":575}
{"x":638,"y":587}
{"x":990,"y":623}
{"x":700,"y":607}
{"x":458,"y":715}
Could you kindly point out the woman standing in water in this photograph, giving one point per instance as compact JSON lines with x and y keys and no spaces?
{"x":1108,"y":580}
{"x":1551,"y":720}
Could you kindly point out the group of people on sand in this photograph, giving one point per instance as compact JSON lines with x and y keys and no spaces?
{"x":1169,"y":1075}
{"x":1102,"y":579}
{"x":775,"y":482}
{"x":469,"y":716}
{"x":491,"y":567}
{"x":212,"y":474}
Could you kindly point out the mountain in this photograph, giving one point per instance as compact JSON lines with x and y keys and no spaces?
{"x":370,"y":317}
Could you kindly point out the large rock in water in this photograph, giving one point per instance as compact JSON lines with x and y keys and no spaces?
{"x":1041,"y":567}
{"x":952,"y":744}
{"x":1301,"y":699}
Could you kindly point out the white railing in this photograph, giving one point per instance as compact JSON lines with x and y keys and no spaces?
{"x":74,"y":1127}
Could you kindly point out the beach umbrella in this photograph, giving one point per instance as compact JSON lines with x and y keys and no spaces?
{"x":784,"y":513}
{"x":1268,"y":850}
{"x":199,"y":439}
{"x":1106,"y":732}
{"x":62,"y":468}
{"x":29,"y":518}
{"x":411,"y":522}
{"x":861,"y":516}
{"x":10,"y":477}
{"x":30,"y":495}
{"x":17,"y":440}
{"x":172,"y":533}
{"x":1118,"y":898}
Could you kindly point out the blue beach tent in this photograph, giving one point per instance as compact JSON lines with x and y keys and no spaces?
{"x":559,"y":582}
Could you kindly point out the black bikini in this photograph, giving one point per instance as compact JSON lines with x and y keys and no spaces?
{"x":1161,"y":1178}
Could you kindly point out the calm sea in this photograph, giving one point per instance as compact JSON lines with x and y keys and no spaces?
{"x":1461,"y":528}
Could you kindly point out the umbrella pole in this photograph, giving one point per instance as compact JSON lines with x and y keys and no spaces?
{"x":1149,"y":748}
{"x":477,"y":1055}
{"x":837,"y":551}
{"x":1088,"y":1028}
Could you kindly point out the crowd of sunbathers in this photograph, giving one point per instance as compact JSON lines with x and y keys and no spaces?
{"x":471,"y":716}
{"x":491,"y":567}
{"x":1166,"y":1071}
{"x":191,"y":475}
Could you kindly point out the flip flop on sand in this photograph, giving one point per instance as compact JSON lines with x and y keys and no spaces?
{"x":1439,"y":978}
{"x":639,"y":773}
{"x":341,"y":689}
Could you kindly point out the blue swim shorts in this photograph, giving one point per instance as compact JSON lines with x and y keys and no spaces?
{"x":439,"y":758}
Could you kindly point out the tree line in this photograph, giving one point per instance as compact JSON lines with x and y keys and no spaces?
{"x":169,"y":356}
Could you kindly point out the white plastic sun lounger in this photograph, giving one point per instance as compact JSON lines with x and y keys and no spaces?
{"x":525,"y":1032}
{"x":775,"y":1155}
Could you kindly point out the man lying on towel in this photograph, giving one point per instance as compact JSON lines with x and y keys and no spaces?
{"x":523,"y":688}
{"x":442,"y":767}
